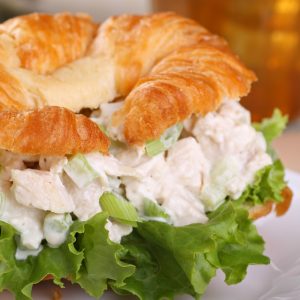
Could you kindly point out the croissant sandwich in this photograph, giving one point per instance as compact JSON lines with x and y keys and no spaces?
{"x":126,"y":159}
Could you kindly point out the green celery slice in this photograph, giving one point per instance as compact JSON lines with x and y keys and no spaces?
{"x":80,"y":171}
{"x":119,"y":208}
{"x":168,"y":139}
{"x":154,"y":212}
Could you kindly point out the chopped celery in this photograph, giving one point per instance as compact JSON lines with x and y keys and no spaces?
{"x":168,"y":139}
{"x":119,"y":208}
{"x":2,"y":203}
{"x":223,"y":172}
{"x":56,"y":228}
{"x":80,"y":171}
{"x":153,"y":211}
{"x":154,"y":147}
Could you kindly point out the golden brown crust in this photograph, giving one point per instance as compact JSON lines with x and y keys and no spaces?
{"x":177,"y":67}
{"x":282,"y":207}
{"x":137,"y":43}
{"x":50,"y":131}
{"x":12,"y":94}
{"x":259,"y":211}
{"x":191,"y":80}
{"x":45,"y":42}
{"x":43,"y":61}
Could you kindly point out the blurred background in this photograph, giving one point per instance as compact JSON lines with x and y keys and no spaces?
{"x":264,"y":33}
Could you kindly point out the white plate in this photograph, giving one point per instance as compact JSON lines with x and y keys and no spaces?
{"x":278,"y":281}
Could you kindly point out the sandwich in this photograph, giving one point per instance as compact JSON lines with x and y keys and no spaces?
{"x":127,"y":161}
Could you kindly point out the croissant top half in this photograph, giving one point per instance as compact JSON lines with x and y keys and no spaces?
{"x":166,"y":66}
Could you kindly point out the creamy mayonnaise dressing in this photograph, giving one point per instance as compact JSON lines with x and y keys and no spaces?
{"x":162,"y":180}
{"x":233,"y":150}
{"x":218,"y":157}
{"x":104,"y":118}
{"x":28,"y":221}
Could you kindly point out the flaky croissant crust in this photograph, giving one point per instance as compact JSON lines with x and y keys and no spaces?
{"x":50,"y":131}
{"x":167,"y":67}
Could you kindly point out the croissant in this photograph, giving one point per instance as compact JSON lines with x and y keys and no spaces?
{"x":191,"y":80}
{"x":167,"y":67}
{"x":43,"y":43}
{"x":171,"y":67}
{"x":43,"y":61}
{"x":50,"y":131}
{"x":137,"y":43}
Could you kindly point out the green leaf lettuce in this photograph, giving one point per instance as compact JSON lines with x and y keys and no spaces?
{"x":182,"y":260}
{"x":157,"y":261}
{"x":272,"y":127}
{"x":268,"y":185}
{"x":87,"y":257}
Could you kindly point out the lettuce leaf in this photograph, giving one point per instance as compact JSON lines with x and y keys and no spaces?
{"x":87,"y":257}
{"x":182,"y":260}
{"x":268,"y":185}
{"x":102,"y":258}
{"x":269,"y":182}
{"x":157,"y":275}
{"x":157,"y":261}
{"x":19,"y":276}
{"x":272,"y":127}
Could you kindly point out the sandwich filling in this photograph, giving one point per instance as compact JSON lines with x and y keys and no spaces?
{"x":178,"y":179}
